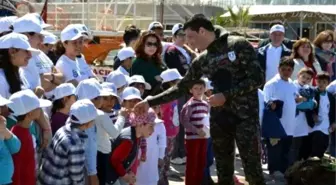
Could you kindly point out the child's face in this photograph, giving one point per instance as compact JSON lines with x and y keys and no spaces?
{"x":285,"y":72}
{"x":69,"y":100}
{"x":140,"y":86}
{"x":208,"y":93}
{"x":127,"y":64}
{"x":304,"y":78}
{"x":129,"y":104}
{"x":4,"y":111}
{"x":98,"y":101}
{"x":108,"y":103}
{"x":197,"y":91}
{"x":35,"y":114}
{"x":322,"y":84}
{"x":147,"y":129}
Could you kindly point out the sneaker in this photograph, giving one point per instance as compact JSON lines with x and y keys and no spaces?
{"x":237,"y":181}
{"x":177,"y":161}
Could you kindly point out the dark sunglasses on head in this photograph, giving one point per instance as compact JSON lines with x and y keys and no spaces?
{"x":149,"y":44}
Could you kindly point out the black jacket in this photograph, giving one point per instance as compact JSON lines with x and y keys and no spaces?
{"x":332,"y":105}
{"x":287,"y":42}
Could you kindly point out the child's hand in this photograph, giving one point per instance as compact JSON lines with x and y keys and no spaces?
{"x":161,"y":163}
{"x":143,"y":158}
{"x":300,"y":99}
{"x":4,"y":132}
{"x":273,"y":106}
{"x":124,"y":112}
{"x":315,"y":118}
{"x":201,"y":132}
{"x":129,"y":178}
{"x":39,"y":91}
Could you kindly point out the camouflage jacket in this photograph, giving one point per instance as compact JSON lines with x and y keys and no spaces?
{"x":230,"y":62}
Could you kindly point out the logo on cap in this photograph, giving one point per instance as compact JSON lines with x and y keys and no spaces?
{"x":84,"y":28}
{"x":75,"y":31}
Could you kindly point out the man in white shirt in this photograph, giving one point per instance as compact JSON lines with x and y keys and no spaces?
{"x":269,"y":56}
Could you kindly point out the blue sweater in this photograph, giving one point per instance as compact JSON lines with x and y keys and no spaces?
{"x":7,"y":148}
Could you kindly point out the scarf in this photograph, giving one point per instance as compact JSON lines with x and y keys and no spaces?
{"x":326,"y":57}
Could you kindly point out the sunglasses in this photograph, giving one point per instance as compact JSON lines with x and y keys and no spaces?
{"x":150,"y":44}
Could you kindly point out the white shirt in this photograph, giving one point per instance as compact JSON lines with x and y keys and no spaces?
{"x":31,"y":72}
{"x":85,"y":70}
{"x":261,"y":105}
{"x":332,"y":87}
{"x":4,"y":86}
{"x":69,"y":68}
{"x":273,"y":55}
{"x":44,"y":65}
{"x":286,"y":91}
{"x":106,"y":130}
{"x":323,"y":115}
{"x":123,"y":70}
{"x":301,"y":128}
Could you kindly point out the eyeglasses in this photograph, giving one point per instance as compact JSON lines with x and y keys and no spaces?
{"x":150,"y":44}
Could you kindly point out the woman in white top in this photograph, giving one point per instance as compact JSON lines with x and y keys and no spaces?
{"x":303,"y":56}
{"x":71,"y":46}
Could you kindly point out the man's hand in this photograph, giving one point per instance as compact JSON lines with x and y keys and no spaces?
{"x":217,"y":100}
{"x":141,"y":107}
{"x":93,"y":179}
{"x":4,"y":132}
{"x":200,"y":132}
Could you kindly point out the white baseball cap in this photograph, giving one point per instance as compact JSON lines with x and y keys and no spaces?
{"x":38,"y":17}
{"x":64,"y":90}
{"x":27,"y":23}
{"x":71,"y":32}
{"x":155,"y":25}
{"x":277,"y":27}
{"x":25,"y":101}
{"x":89,"y":89}
{"x":126,"y":53}
{"x":117,"y":78}
{"x":18,"y":41}
{"x":84,"y":29}
{"x":176,"y":28}
{"x":139,"y":79}
{"x":4,"y":101}
{"x":130,"y":93}
{"x":49,"y":38}
{"x":208,"y":85}
{"x":111,"y":89}
{"x":170,"y":75}
{"x":6,"y":22}
{"x":82,"y":112}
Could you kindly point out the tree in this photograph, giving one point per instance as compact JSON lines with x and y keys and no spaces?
{"x":239,"y":17}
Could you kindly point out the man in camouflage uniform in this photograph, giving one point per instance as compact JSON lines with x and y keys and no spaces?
{"x":231,"y":64}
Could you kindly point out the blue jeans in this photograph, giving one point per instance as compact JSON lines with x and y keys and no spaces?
{"x":210,"y":159}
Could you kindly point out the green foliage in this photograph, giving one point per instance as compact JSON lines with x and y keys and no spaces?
{"x":239,"y":17}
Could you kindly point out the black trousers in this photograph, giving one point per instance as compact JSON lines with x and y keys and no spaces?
{"x":299,"y":148}
{"x":278,"y":155}
{"x":225,"y":131}
{"x":320,"y":143}
{"x":102,"y":165}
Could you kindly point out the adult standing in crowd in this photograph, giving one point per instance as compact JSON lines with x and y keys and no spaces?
{"x":148,"y":61}
{"x":269,"y":56}
{"x":231,"y":64}
{"x":287,"y":42}
{"x":303,"y":55}
{"x":324,"y":52}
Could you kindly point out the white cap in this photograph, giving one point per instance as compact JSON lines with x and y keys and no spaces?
{"x":64,"y":90}
{"x":170,"y":75}
{"x":4,"y":101}
{"x":83,"y":111}
{"x":71,"y":32}
{"x":6,"y":22}
{"x":18,"y":41}
{"x":130,"y":93}
{"x":49,"y":38}
{"x":277,"y":27}
{"x":155,"y":25}
{"x":27,"y":23}
{"x":117,"y":78}
{"x":25,"y":101}
{"x":208,"y":85}
{"x":111,"y":89}
{"x":39,"y":18}
{"x":126,"y":53}
{"x":176,"y":28}
{"x":139,"y":79}
{"x":89,"y":89}
{"x":84,"y":29}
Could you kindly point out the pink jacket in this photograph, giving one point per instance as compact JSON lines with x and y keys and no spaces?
{"x":170,"y":116}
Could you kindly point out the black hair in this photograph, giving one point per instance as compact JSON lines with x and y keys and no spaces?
{"x":74,"y":125}
{"x":286,"y":61}
{"x":18,"y":118}
{"x":323,"y":76}
{"x":197,"y":21}
{"x":59,"y":49}
{"x":275,"y":22}
{"x":198,"y":82}
{"x":11,"y":72}
{"x":57,"y":105}
{"x":131,"y":33}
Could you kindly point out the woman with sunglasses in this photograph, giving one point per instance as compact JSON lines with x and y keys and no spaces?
{"x":148,"y":62}
{"x":323,"y":51}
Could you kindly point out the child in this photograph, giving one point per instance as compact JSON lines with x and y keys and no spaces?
{"x":147,"y":173}
{"x":170,"y":117}
{"x":64,"y":159}
{"x":26,"y":107}
{"x":195,"y":119}
{"x":302,"y":128}
{"x":125,"y":55}
{"x":119,"y":80}
{"x":139,"y":82}
{"x":63,"y":98}
{"x":126,"y":146}
{"x":324,"y":117}
{"x":9,"y":145}
{"x":332,"y":89}
{"x":110,"y":101}
{"x":281,"y":89}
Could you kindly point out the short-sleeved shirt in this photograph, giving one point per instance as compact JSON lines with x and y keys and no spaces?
{"x":44,"y":65}
{"x":85,"y":69}
{"x":69,"y":68}
{"x":4,"y":86}
{"x":31,"y":71}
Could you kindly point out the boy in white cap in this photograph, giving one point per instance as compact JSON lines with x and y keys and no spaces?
{"x":48,"y":42}
{"x":110,"y":101}
{"x":64,"y":159}
{"x":125,"y":55}
{"x":9,"y":145}
{"x":99,"y":135}
{"x":139,"y":82}
{"x":26,"y":107}
{"x":119,"y":80}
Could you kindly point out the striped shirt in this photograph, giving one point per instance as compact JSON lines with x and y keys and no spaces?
{"x":64,"y":160}
{"x":193,"y":116}
{"x":113,"y":115}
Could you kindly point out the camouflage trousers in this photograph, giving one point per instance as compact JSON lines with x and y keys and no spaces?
{"x":225,"y":132}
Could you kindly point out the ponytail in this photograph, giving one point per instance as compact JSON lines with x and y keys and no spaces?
{"x":59,"y":49}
